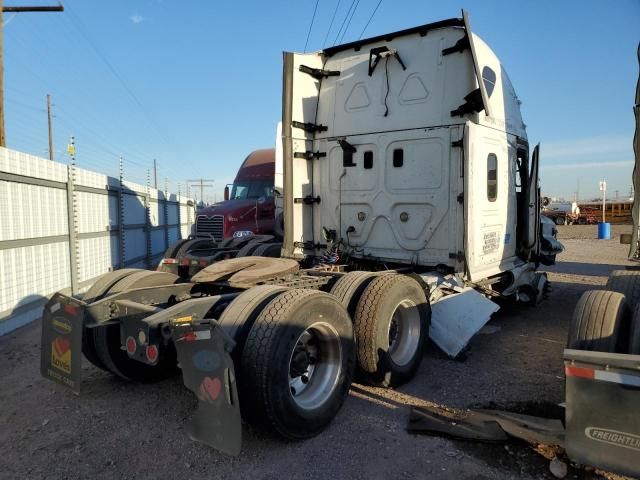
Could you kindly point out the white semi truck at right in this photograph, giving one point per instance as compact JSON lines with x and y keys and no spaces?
{"x":410,"y":199}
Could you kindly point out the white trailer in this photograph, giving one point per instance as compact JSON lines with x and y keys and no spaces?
{"x":406,"y":183}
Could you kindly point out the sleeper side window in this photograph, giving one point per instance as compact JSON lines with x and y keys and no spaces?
{"x":492,"y":177}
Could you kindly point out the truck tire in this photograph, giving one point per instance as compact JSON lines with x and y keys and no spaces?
{"x":106,"y":338}
{"x":104,"y":283}
{"x":248,"y":249}
{"x":597,"y":321}
{"x":238,"y":318}
{"x":278,"y":226}
{"x":268,"y":250}
{"x":143,"y":279}
{"x":560,"y":220}
{"x":99,"y":288}
{"x":172,"y":251}
{"x":634,"y":332}
{"x":297,"y":363}
{"x":349,"y":288}
{"x":626,"y":282}
{"x":195,"y":244}
{"x":392,"y":325}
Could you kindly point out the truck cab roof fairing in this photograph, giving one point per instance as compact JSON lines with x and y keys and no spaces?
{"x":504,"y":104}
{"x":422,"y":30}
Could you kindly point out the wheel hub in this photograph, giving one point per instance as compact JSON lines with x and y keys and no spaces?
{"x":315,"y":365}
{"x":404,"y":332}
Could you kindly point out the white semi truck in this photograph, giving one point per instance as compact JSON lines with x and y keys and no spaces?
{"x":410,"y":199}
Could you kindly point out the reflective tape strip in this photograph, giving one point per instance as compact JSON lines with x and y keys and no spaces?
{"x":621,"y":378}
{"x":194,"y":336}
{"x":617,"y":378}
{"x":578,"y":372}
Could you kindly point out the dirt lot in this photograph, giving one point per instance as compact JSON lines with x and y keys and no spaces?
{"x":120,"y":430}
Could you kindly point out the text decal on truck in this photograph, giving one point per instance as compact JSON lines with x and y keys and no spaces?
{"x":613,"y":437}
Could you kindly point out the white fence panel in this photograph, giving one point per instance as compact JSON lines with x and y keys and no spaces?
{"x":114,"y":224}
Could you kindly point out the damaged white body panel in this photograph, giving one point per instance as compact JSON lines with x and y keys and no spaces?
{"x":457,"y":312}
{"x":456,"y":318}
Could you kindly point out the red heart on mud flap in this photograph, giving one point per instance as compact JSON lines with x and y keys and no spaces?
{"x":61,"y":345}
{"x":211,"y":387}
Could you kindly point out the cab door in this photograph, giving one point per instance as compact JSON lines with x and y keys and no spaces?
{"x":534,"y":204}
{"x":266,"y":213}
{"x":489,"y":202}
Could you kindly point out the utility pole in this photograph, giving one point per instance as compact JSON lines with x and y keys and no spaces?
{"x":58,"y":8}
{"x":155,"y":174}
{"x":49,"y":121}
{"x":200,"y":182}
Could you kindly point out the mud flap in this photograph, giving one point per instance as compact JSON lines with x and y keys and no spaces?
{"x":207,"y":370}
{"x":61,"y":345}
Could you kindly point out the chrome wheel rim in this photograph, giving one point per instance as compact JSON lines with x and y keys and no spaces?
{"x":404,"y":332}
{"x":315,"y":365}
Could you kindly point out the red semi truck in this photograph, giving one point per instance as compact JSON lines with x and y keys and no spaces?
{"x":245,"y":223}
{"x":248,"y":206}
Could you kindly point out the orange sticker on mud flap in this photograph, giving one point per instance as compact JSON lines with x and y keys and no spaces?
{"x":61,"y":354}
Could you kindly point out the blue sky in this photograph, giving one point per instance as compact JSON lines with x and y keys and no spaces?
{"x":197,"y":84}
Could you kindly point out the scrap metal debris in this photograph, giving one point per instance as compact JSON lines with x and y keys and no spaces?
{"x":485,"y":425}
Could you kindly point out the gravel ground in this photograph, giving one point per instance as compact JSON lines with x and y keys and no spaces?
{"x":119,"y":430}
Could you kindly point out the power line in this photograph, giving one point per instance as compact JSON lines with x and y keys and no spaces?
{"x":79,"y":25}
{"x":74,"y":125}
{"x":349,"y":22}
{"x":105,"y":143}
{"x":15,"y":9}
{"x":313,"y":17}
{"x":335,"y":40}
{"x":333,"y":17}
{"x":370,"y":18}
{"x":81,"y":125}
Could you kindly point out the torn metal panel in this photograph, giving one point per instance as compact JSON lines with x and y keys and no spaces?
{"x":549,"y":431}
{"x":440,"y":422}
{"x":486,"y":425}
{"x":456,"y":318}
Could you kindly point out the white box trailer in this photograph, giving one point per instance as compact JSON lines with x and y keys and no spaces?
{"x":406,"y":182}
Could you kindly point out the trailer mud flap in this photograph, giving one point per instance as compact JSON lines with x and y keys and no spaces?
{"x":207,"y":370}
{"x":61,"y":346}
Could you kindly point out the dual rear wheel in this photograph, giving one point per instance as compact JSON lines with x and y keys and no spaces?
{"x":101,"y":344}
{"x":296,"y":349}
{"x":391,"y":317}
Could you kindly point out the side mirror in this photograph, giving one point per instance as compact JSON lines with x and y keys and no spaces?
{"x":226,"y":192}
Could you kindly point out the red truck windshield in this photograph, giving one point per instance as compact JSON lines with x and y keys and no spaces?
{"x":254,"y":189}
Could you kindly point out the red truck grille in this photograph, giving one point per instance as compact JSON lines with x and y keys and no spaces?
{"x":210,"y":225}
